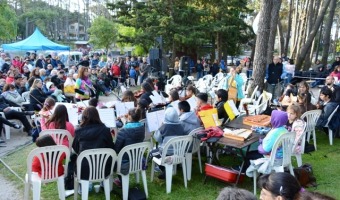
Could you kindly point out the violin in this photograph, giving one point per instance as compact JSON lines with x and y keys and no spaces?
{"x":138,"y":94}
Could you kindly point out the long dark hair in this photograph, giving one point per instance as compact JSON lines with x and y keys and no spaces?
{"x":44,"y":141}
{"x":59,"y":117}
{"x":90,"y":116}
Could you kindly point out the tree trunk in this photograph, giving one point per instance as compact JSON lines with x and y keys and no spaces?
{"x":310,"y":24}
{"x":262,"y":44}
{"x":336,"y":37}
{"x":311,"y":36}
{"x":327,"y":34}
{"x":219,"y":45}
{"x":289,"y":27}
{"x":282,"y":39}
{"x":273,"y":28}
{"x":296,"y":24}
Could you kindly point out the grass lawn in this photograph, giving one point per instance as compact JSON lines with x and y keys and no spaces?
{"x":325,"y":163}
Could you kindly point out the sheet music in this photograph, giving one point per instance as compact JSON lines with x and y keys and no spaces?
{"x":193,"y":103}
{"x":155,"y":119}
{"x":109,"y":104}
{"x":156,"y":98}
{"x":122,"y":108}
{"x":107,"y":116}
{"x":233,"y":107}
{"x":73,"y":116}
{"x":83,"y":103}
{"x":123,"y":88}
{"x":175,"y":105}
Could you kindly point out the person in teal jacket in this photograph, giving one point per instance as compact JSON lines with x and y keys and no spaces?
{"x":236,"y":80}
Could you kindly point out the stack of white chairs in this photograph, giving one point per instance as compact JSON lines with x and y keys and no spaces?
{"x":173,"y":82}
{"x":312,"y":117}
{"x":260,"y":104}
{"x":204,"y":83}
{"x":248,"y":100}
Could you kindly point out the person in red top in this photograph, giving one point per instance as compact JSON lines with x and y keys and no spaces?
{"x":43,"y":141}
{"x":115,"y":70}
{"x":202,"y":102}
{"x":59,"y":120}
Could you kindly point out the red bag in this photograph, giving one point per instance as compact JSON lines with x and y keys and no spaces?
{"x":222,"y":173}
{"x":212,"y":132}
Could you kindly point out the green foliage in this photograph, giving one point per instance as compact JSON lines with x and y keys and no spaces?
{"x":8,"y":22}
{"x":103,"y":33}
{"x":139,"y":51}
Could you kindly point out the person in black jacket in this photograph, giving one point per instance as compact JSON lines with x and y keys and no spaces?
{"x":328,"y":107}
{"x":133,"y":132}
{"x":13,"y":114}
{"x":273,"y":76}
{"x":147,"y":88}
{"x":92,"y":134}
{"x":37,"y":96}
{"x":222,"y":97}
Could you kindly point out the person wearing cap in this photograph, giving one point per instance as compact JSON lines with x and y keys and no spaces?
{"x":171,"y":128}
{"x":19,"y":84}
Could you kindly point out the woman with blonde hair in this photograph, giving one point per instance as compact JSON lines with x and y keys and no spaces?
{"x":37,"y":96}
{"x":83,"y":87}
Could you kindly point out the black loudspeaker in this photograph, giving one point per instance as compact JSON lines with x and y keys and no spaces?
{"x":155,"y":63}
{"x":184,"y":62}
{"x":155,"y":54}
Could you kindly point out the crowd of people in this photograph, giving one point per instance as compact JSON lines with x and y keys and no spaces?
{"x":47,"y":81}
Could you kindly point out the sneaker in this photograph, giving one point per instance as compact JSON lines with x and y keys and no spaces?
{"x":117,"y":182}
{"x":17,"y":126}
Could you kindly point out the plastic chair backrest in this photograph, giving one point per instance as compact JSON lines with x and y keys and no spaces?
{"x":97,"y":159}
{"x":285,"y":142}
{"x":300,"y":140}
{"x":176,"y":80}
{"x":59,"y":136}
{"x":331,"y":115}
{"x":254,"y":92}
{"x":135,"y":152}
{"x":49,"y":158}
{"x":180,"y":147}
{"x":311,"y":117}
{"x":196,"y":143}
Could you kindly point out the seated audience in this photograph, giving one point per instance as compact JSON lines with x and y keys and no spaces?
{"x":304,"y":100}
{"x":329,"y":83}
{"x":327,"y":108}
{"x":187,"y":118}
{"x":46,"y":112}
{"x":12,"y":95}
{"x":222,"y":98}
{"x":37,"y":96}
{"x":295,"y":124}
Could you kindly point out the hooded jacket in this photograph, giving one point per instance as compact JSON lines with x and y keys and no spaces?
{"x":92,"y":136}
{"x":278,"y":121}
{"x":170,"y":129}
{"x":131,"y":133}
{"x":189,"y":121}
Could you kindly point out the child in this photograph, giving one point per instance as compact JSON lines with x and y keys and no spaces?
{"x":222,"y":97}
{"x":202,"y":102}
{"x":295,"y":124}
{"x":188,"y":119}
{"x":46,"y":112}
{"x":43,"y":141}
{"x":133,"y":75}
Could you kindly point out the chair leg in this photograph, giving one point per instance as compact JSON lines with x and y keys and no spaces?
{"x":291,"y":170}
{"x":188,"y":161}
{"x":314,"y":138}
{"x":298,"y":159}
{"x":84,"y":190}
{"x":254,"y":177}
{"x":137,"y":177}
{"x":168,"y":172}
{"x":61,"y":188}
{"x":7,"y":132}
{"x":308,"y":136}
{"x":107,"y":190}
{"x":330,"y":135}
{"x":199,"y":160}
{"x":152,"y":169}
{"x":125,"y":186}
{"x":145,"y":183}
{"x":36,"y":190}
{"x":184,"y":174}
{"x":27,"y":189}
{"x":75,"y":186}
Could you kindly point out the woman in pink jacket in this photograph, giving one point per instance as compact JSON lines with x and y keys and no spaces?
{"x":59,"y":120}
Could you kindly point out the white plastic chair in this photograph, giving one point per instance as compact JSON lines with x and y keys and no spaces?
{"x":7,"y":128}
{"x":97,"y":159}
{"x":311,"y":117}
{"x":26,"y":96}
{"x":49,"y":158}
{"x":135,"y":153}
{"x":248,"y":100}
{"x":330,"y":132}
{"x":301,"y":141}
{"x":180,"y":146}
{"x":260,"y":105}
{"x":59,"y":135}
{"x":196,"y":148}
{"x":174,"y":81}
{"x":285,"y":142}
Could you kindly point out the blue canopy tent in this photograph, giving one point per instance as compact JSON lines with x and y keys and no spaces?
{"x":37,"y":41}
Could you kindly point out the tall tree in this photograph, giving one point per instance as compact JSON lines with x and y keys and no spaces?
{"x":262,"y":44}
{"x":307,"y":45}
{"x":103,"y":33}
{"x":327,"y":34}
{"x":288,"y":35}
{"x":275,"y":12}
{"x":8,"y":22}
